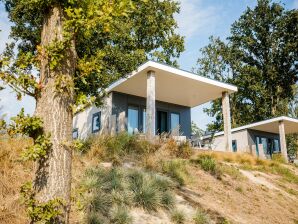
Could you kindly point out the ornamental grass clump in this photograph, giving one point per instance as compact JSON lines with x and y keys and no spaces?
{"x":108,"y":194}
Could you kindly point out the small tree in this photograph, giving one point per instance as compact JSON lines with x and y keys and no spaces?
{"x":77,"y":49}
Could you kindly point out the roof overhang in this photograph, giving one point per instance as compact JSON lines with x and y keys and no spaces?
{"x":172,"y":85}
{"x":270,"y":126}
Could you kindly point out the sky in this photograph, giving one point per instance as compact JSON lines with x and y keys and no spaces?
{"x":197,"y":21}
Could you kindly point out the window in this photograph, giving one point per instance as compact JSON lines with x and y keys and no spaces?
{"x":75,"y":133}
{"x":96,"y":122}
{"x":132,"y":119}
{"x":143,"y":120}
{"x":234,"y":145}
{"x":276,"y":147}
{"x":175,"y":121}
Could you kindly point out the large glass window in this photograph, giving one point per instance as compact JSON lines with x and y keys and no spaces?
{"x":132,"y":119}
{"x":96,"y":122}
{"x":175,"y":121}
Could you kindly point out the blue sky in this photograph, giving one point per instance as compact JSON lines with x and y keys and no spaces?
{"x":198,"y":19}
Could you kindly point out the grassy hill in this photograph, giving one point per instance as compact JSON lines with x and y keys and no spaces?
{"x":125,"y":179}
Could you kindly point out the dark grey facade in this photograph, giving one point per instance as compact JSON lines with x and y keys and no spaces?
{"x":121,"y":103}
{"x":269,"y":141}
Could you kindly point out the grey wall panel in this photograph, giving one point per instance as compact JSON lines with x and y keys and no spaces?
{"x":121,"y":101}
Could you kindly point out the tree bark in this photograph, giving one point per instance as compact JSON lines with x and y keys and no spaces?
{"x":53,"y":174}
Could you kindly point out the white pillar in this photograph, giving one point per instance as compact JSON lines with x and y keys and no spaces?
{"x":283,"y":143}
{"x":227,"y":121}
{"x":150,"y":105}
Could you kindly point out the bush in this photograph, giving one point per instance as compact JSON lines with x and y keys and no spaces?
{"x":145,"y":192}
{"x":201,"y":218}
{"x":178,"y":217}
{"x":184,"y":151}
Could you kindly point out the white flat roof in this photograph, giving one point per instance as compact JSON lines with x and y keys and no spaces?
{"x":270,"y":125}
{"x":173,"y":85}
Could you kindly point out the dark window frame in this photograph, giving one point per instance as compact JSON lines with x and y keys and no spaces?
{"x":98,"y":114}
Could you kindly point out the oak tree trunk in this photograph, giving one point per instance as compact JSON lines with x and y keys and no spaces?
{"x":53,"y":174}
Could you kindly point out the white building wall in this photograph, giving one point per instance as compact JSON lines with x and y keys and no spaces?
{"x":241,"y":138}
{"x":83,"y":120}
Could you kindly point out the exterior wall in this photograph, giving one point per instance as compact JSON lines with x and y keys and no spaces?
{"x":246,"y":141}
{"x":83,"y":120}
{"x":241,"y":138}
{"x":122,"y":101}
{"x":114,"y":114}
{"x":252,"y":134}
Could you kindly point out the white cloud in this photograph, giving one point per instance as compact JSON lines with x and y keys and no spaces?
{"x":195,"y":18}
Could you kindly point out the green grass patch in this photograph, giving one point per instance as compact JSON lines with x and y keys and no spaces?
{"x":201,"y":218}
{"x":178,"y":217}
{"x":176,"y":169}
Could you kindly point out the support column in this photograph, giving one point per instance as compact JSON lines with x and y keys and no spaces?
{"x":227,"y":121}
{"x":283,"y":143}
{"x":150,"y":106}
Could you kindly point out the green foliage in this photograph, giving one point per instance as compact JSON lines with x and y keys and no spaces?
{"x":38,"y":212}
{"x":176,"y":169}
{"x":195,"y":130}
{"x":39,"y":149}
{"x":178,"y":217}
{"x":32,"y":127}
{"x":259,"y":57}
{"x":201,"y":218}
{"x":126,"y":33}
{"x":107,"y":194}
{"x":292,"y":144}
{"x":207,"y":163}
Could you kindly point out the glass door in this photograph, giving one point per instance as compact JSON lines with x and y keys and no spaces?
{"x":162,"y":122}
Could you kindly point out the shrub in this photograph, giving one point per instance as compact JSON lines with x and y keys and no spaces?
{"x":176,"y":169}
{"x":167,"y":200}
{"x":184,"y":151}
{"x":145,"y":193}
{"x":109,"y":192}
{"x":178,"y":217}
{"x":201,"y":218}
{"x":94,"y":218}
{"x":120,"y":215}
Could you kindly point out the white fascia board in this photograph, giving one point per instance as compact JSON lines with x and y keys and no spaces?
{"x":155,"y":65}
{"x":248,"y":126}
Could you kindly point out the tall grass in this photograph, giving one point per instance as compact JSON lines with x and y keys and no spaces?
{"x":13,"y":172}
